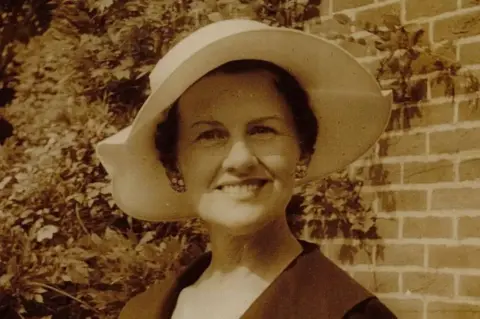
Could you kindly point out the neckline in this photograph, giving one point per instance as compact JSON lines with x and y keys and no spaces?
{"x":193,"y":272}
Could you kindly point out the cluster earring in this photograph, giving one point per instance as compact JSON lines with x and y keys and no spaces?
{"x":301,"y":171}
{"x":176,"y":180}
{"x":178,"y":184}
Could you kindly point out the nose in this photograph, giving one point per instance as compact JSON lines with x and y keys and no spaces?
{"x":240,"y":159}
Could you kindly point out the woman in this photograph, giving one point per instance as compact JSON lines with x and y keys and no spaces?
{"x":239,"y":114}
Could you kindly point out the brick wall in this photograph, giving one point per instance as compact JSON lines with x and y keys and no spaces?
{"x":429,"y":204}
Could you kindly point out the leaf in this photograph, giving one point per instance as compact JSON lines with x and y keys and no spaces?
{"x":38,"y":298}
{"x":106,"y":190}
{"x":5,"y":280}
{"x":417,"y":36}
{"x":144,"y":70}
{"x":46,"y":232}
{"x":96,"y":239}
{"x":311,"y":12}
{"x":99,"y":73}
{"x":439,"y":65}
{"x":394,"y":65}
{"x":381,"y":46}
{"x":215,"y":16}
{"x":120,"y":74}
{"x":103,"y":4}
{"x":391,"y":21}
{"x":5,"y":181}
{"x":78,"y":272}
{"x":362,"y":41}
{"x":111,"y":203}
{"x":342,"y":18}
{"x":149,"y":236}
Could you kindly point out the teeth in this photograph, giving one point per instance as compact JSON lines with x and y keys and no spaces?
{"x":240,"y":189}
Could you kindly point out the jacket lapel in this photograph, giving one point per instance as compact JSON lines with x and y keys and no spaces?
{"x":312,"y":287}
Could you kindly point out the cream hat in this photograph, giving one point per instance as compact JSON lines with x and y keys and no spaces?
{"x":350,"y":106}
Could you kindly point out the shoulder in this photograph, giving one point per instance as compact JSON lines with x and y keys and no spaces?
{"x":143,"y":305}
{"x":371,"y":308}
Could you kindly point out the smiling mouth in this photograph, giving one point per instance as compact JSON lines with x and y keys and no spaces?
{"x":248,"y":187}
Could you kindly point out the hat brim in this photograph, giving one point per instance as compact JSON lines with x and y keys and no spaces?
{"x":351,"y":109}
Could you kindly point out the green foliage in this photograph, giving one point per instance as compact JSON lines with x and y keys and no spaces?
{"x":65,"y":248}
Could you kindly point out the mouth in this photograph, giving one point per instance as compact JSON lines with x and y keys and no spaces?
{"x":248,"y":187}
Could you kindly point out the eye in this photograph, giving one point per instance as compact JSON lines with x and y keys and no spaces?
{"x":262,"y":130}
{"x":211,"y":135}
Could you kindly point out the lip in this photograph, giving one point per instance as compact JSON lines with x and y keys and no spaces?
{"x":261,"y":181}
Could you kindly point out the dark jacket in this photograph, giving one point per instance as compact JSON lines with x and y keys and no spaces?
{"x":311,"y":287}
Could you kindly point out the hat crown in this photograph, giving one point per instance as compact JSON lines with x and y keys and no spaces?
{"x":196,"y":41}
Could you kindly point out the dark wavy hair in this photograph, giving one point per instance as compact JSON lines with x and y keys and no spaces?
{"x":297,"y":99}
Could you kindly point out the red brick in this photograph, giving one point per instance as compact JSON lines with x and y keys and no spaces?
{"x":405,"y":118}
{"x":339,"y":5}
{"x":340,"y":256}
{"x":469,"y":170}
{"x":356,"y":49}
{"x":468,"y":111}
{"x":448,"y":50}
{"x":402,"y":201}
{"x":329,"y":25}
{"x":428,"y":8}
{"x":459,"y":26}
{"x":429,"y":227}
{"x":468,"y":227}
{"x":441,"y":256}
{"x":427,"y":115}
{"x":450,"y":310}
{"x":470,"y":3}
{"x":380,"y":174}
{"x":455,"y":141}
{"x":400,"y":255}
{"x":387,"y":228}
{"x":378,"y":282}
{"x":469,"y":53}
{"x":462,"y":85}
{"x":461,"y":198}
{"x":402,"y":145}
{"x":324,"y":8}
{"x":405,"y":308}
{"x":469,"y":286}
{"x":376,"y":15}
{"x":430,"y":172}
{"x":429,"y":283}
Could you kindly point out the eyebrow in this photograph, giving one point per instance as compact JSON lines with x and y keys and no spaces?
{"x":215,"y":123}
{"x":255,"y":121}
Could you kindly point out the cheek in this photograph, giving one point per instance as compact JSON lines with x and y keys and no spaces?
{"x":197,"y":168}
{"x":280,"y":160}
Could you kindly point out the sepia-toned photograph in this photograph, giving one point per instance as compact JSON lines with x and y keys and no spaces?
{"x":240,"y":159}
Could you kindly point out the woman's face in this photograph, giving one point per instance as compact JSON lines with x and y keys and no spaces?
{"x":237,"y":150}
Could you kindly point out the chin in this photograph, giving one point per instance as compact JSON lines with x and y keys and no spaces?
{"x":239,"y":221}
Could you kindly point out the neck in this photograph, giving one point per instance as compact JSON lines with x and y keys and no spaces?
{"x":265,"y":253}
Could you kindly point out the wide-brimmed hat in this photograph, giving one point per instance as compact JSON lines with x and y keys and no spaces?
{"x":348,"y":102}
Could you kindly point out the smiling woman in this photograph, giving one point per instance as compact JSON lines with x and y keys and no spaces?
{"x":250,"y":119}
{"x":229,"y":130}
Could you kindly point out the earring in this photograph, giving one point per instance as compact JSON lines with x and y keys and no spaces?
{"x":300,"y":171}
{"x":177,"y":184}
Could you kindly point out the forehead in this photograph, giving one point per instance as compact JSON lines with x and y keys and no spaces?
{"x":250,"y":94}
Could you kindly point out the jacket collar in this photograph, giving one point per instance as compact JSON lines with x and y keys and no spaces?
{"x":312,"y":286}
